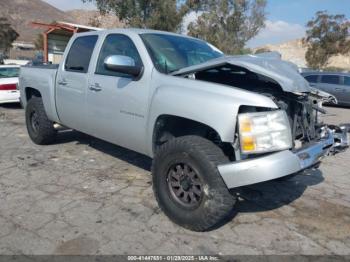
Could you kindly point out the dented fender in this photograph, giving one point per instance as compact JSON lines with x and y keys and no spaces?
{"x":214,"y":105}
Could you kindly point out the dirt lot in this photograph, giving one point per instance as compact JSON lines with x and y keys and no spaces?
{"x":85,"y":196}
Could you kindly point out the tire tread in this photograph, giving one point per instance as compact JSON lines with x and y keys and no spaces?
{"x":47,"y":132}
{"x":214,"y":157}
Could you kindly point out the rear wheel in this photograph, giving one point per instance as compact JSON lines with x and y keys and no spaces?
{"x":40,"y":129}
{"x":188,"y":185}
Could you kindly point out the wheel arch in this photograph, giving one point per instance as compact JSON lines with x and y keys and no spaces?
{"x":169,"y":126}
{"x":30,"y":92}
{"x":48,"y":100}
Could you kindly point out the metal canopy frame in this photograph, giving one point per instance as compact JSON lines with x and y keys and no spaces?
{"x":58,"y":26}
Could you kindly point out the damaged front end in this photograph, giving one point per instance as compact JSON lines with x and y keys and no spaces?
{"x":305,"y":117}
{"x":280,"y":81}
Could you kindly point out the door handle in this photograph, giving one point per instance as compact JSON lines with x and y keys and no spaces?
{"x":96,"y":87}
{"x":62,"y":82}
{"x":340,"y":89}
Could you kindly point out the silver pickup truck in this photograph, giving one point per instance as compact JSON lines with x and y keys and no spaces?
{"x":210,"y":122}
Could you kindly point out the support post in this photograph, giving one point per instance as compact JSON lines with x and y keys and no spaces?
{"x":46,"y":48}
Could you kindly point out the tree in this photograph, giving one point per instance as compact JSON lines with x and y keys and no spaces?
{"x":162,"y":15}
{"x":229,"y":24}
{"x":95,"y":21}
{"x":262,"y":50}
{"x":39,"y":42}
{"x":7,"y":34}
{"x":326,"y":36}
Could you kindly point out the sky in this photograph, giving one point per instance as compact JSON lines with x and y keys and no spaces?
{"x":286,"y":19}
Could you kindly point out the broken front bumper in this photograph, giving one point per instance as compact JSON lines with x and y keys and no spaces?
{"x":280,"y":164}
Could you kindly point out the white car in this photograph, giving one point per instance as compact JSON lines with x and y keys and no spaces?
{"x":8,"y":84}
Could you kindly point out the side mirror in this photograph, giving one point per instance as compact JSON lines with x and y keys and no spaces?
{"x":122,"y":64}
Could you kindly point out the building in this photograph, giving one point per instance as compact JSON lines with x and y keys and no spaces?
{"x":23,"y":46}
{"x":56,"y":37}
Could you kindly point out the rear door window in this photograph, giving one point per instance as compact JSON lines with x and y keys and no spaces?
{"x":311,"y":78}
{"x":346,"y":81}
{"x":330,"y":79}
{"x":80,"y":53}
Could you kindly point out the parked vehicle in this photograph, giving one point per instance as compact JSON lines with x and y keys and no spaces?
{"x":210,"y":122}
{"x":337,"y":84}
{"x":8,"y":84}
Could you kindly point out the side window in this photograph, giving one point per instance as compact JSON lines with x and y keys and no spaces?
{"x":330,"y":79}
{"x":117,"y":44}
{"x":311,"y":78}
{"x":346,"y":80}
{"x":80,"y":53}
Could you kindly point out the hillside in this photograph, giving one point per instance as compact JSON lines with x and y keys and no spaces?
{"x":94,"y":18}
{"x":21,"y":12}
{"x":294,"y":51}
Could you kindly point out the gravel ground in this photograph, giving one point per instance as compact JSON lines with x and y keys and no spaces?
{"x":85,"y":196}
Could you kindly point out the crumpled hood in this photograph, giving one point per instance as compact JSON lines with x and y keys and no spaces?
{"x":268,"y":64}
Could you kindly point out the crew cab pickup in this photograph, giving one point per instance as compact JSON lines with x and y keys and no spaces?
{"x":210,"y":122}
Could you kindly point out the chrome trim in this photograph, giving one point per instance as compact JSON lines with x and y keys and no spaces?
{"x":312,"y":154}
{"x":342,"y":138}
{"x":119,"y":60}
{"x":276,"y":165}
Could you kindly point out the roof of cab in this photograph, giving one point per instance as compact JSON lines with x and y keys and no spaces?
{"x":138,"y":31}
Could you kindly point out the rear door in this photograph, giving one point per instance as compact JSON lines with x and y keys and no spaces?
{"x":72,"y":83}
{"x":345,"y":96}
{"x":331,"y":84}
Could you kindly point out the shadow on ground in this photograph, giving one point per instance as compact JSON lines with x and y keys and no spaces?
{"x":131,"y":157}
{"x":272,"y":195}
{"x":255,"y":198}
{"x":11,"y":106}
{"x":275,"y":194}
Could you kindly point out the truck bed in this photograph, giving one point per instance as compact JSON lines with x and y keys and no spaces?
{"x":41,"y":78}
{"x":43,"y":66}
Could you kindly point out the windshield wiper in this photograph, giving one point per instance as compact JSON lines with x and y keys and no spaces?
{"x":172,"y":71}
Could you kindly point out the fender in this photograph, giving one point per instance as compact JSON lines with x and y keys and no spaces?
{"x":214,"y":105}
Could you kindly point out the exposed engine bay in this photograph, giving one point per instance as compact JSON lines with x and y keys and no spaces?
{"x":303,"y":108}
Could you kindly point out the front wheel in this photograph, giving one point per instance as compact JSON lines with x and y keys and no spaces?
{"x":188,"y":185}
{"x":40,"y":129}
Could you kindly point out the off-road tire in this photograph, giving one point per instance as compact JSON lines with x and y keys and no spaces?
{"x":45,"y":132}
{"x":217,"y":203}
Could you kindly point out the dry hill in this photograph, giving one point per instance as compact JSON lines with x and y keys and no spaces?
{"x":294,"y":51}
{"x":21,"y":12}
{"x":94,"y":18}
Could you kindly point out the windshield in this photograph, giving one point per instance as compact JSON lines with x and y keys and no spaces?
{"x":171,"y":53}
{"x":8,"y":72}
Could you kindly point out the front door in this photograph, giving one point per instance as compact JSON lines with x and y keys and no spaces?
{"x":72,"y":83}
{"x":330,"y":84}
{"x":117,"y":103}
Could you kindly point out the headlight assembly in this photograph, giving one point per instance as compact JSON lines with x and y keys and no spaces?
{"x":264,"y":132}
